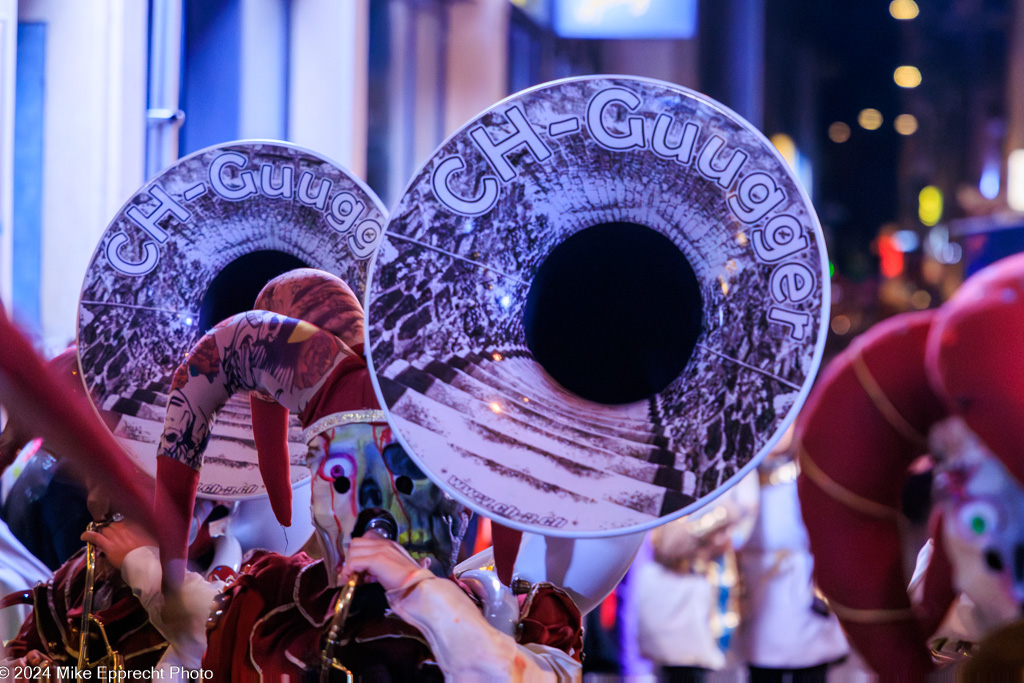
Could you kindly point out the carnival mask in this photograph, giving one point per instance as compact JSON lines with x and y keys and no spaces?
{"x":982,"y":508}
{"x":357,"y":467}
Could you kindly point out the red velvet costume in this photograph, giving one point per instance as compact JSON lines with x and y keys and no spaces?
{"x":283,"y":603}
{"x":53,"y":626}
{"x":274,"y":616}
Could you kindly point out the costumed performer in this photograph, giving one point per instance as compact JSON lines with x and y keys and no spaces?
{"x":945,"y":382}
{"x":786,"y":632}
{"x":69,"y":426}
{"x":286,"y":615}
{"x":50,"y":632}
{"x":688,"y":596}
{"x":46,"y":506}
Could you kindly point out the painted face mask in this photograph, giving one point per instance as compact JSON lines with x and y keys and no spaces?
{"x":292,"y":365}
{"x":982,"y":508}
{"x":357,"y":467}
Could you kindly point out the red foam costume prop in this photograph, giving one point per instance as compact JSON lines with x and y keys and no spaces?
{"x":45,"y":402}
{"x":869,"y":418}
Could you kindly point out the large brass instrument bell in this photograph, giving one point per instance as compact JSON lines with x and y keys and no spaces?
{"x":503,"y":306}
{"x":193,"y":247}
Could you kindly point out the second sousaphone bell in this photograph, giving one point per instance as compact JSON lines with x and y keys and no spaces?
{"x":454,"y":293}
{"x":187,"y":240}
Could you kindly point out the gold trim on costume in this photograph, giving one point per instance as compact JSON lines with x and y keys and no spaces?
{"x":890,"y":412}
{"x":840,"y":493}
{"x":337,"y":419}
{"x":870,"y":616}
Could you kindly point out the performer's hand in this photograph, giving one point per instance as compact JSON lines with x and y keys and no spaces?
{"x":33,"y":659}
{"x":117,"y":539}
{"x":380,"y":560}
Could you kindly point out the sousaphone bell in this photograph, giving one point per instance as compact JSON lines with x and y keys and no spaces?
{"x":194,"y":246}
{"x":597,"y":306}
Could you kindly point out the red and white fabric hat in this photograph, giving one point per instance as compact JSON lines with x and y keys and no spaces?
{"x":869,"y":417}
{"x":289,"y":364}
{"x":326,"y":301}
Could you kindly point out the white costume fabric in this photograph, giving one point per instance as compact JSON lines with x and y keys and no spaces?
{"x":186,"y":631}
{"x":19,"y":570}
{"x":781,"y":627}
{"x":685,"y":598}
{"x":674,"y":618}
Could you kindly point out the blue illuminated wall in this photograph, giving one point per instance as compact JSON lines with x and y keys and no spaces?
{"x":28,"y":175}
{"x":984,"y":248}
{"x":625,"y":19}
{"x":211,"y":75}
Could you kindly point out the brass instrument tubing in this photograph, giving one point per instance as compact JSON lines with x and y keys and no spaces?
{"x":116,"y":659}
{"x":341,"y":607}
{"x":90,"y":578}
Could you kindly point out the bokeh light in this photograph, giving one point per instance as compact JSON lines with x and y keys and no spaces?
{"x":920,"y":299}
{"x":841,"y":324}
{"x":988,"y":183}
{"x":1015,"y":180}
{"x":903,"y":9}
{"x":870,"y":119}
{"x":905,"y":124}
{"x":907,"y":76}
{"x":839,"y":132}
{"x":929,"y":205}
{"x":786,"y":147}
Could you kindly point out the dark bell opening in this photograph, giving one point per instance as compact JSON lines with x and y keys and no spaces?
{"x":237,"y":285}
{"x":614,"y":313}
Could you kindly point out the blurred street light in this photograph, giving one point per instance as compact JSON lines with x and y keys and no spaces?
{"x":1015,"y":180}
{"x":907,"y":76}
{"x":786,"y":147}
{"x":905,"y":124}
{"x":870,"y":119}
{"x":839,"y":132}
{"x":903,"y":9}
{"x":929,"y":205}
